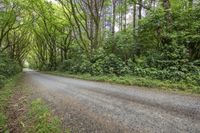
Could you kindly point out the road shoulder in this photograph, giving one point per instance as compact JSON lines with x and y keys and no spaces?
{"x":23,"y":113}
{"x":143,"y":83}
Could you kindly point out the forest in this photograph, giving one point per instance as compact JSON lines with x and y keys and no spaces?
{"x":154,"y":40}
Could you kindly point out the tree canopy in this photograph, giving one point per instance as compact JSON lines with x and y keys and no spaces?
{"x":159,"y":39}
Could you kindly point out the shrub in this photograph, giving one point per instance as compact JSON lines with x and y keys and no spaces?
{"x":8,"y":68}
{"x":85,"y":66}
{"x":113,"y":65}
{"x":65,"y":65}
{"x":2,"y":79}
{"x":97,"y":67}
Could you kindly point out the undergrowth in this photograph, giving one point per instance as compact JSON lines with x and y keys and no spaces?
{"x":138,"y":81}
{"x":5,"y":94}
{"x":42,"y":120}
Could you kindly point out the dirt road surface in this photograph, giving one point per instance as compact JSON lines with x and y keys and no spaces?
{"x":94,"y":107}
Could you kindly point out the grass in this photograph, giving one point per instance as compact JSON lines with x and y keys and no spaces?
{"x":36,"y":119}
{"x":180,"y":87}
{"x":5,"y":94}
{"x":42,"y":120}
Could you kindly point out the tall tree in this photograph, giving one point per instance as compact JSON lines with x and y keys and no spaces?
{"x":167,"y":7}
{"x":140,"y":9}
{"x":114,"y":2}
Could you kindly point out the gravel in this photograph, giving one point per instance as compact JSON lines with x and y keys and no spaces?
{"x":87,"y":106}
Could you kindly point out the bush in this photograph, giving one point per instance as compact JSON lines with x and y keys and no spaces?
{"x":85,"y":66}
{"x":113,"y":65}
{"x":122,"y":45}
{"x":173,"y":76}
{"x":2,"y":79}
{"x":97,"y":67}
{"x":65,"y":65}
{"x":8,"y":68}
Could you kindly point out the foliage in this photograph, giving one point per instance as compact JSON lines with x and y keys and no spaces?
{"x":5,"y":94}
{"x":187,"y":31}
{"x":42,"y":119}
{"x":2,"y":121}
{"x":39,"y":115}
{"x":188,"y":87}
{"x":161,"y":41}
{"x":8,"y":68}
{"x":113,"y":65}
{"x":121,"y":45}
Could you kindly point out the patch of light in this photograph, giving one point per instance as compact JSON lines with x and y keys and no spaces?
{"x":26,"y":64}
{"x":116,"y":28}
{"x":53,"y":1}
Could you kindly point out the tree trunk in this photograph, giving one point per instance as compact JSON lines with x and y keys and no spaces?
{"x":114,"y":16}
{"x":121,"y":17}
{"x":168,"y":16}
{"x":190,"y":3}
{"x":125,"y":14}
{"x":61,"y":55}
{"x":140,"y":9}
{"x":134,"y":15}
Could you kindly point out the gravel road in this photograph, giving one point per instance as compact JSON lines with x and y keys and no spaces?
{"x":88,"y":107}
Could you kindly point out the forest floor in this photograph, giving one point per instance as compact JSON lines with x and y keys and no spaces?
{"x":88,"y":106}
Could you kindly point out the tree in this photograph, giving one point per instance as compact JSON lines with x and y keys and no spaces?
{"x":114,"y":2}
{"x":166,"y":6}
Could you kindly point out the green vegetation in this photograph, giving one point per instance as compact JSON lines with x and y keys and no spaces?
{"x":5,"y":94}
{"x":156,"y":40}
{"x":41,"y":119}
{"x":160,"y":48}
{"x":149,"y":82}
{"x":152,"y":43}
{"x":8,"y":68}
{"x":13,"y":39}
{"x":2,"y":122}
{"x":38,"y":118}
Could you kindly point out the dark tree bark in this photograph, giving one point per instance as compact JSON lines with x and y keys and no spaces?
{"x":140,"y":9}
{"x":167,"y":7}
{"x":191,"y":3}
{"x":134,"y":15}
{"x":125,"y":6}
{"x":114,"y":16}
